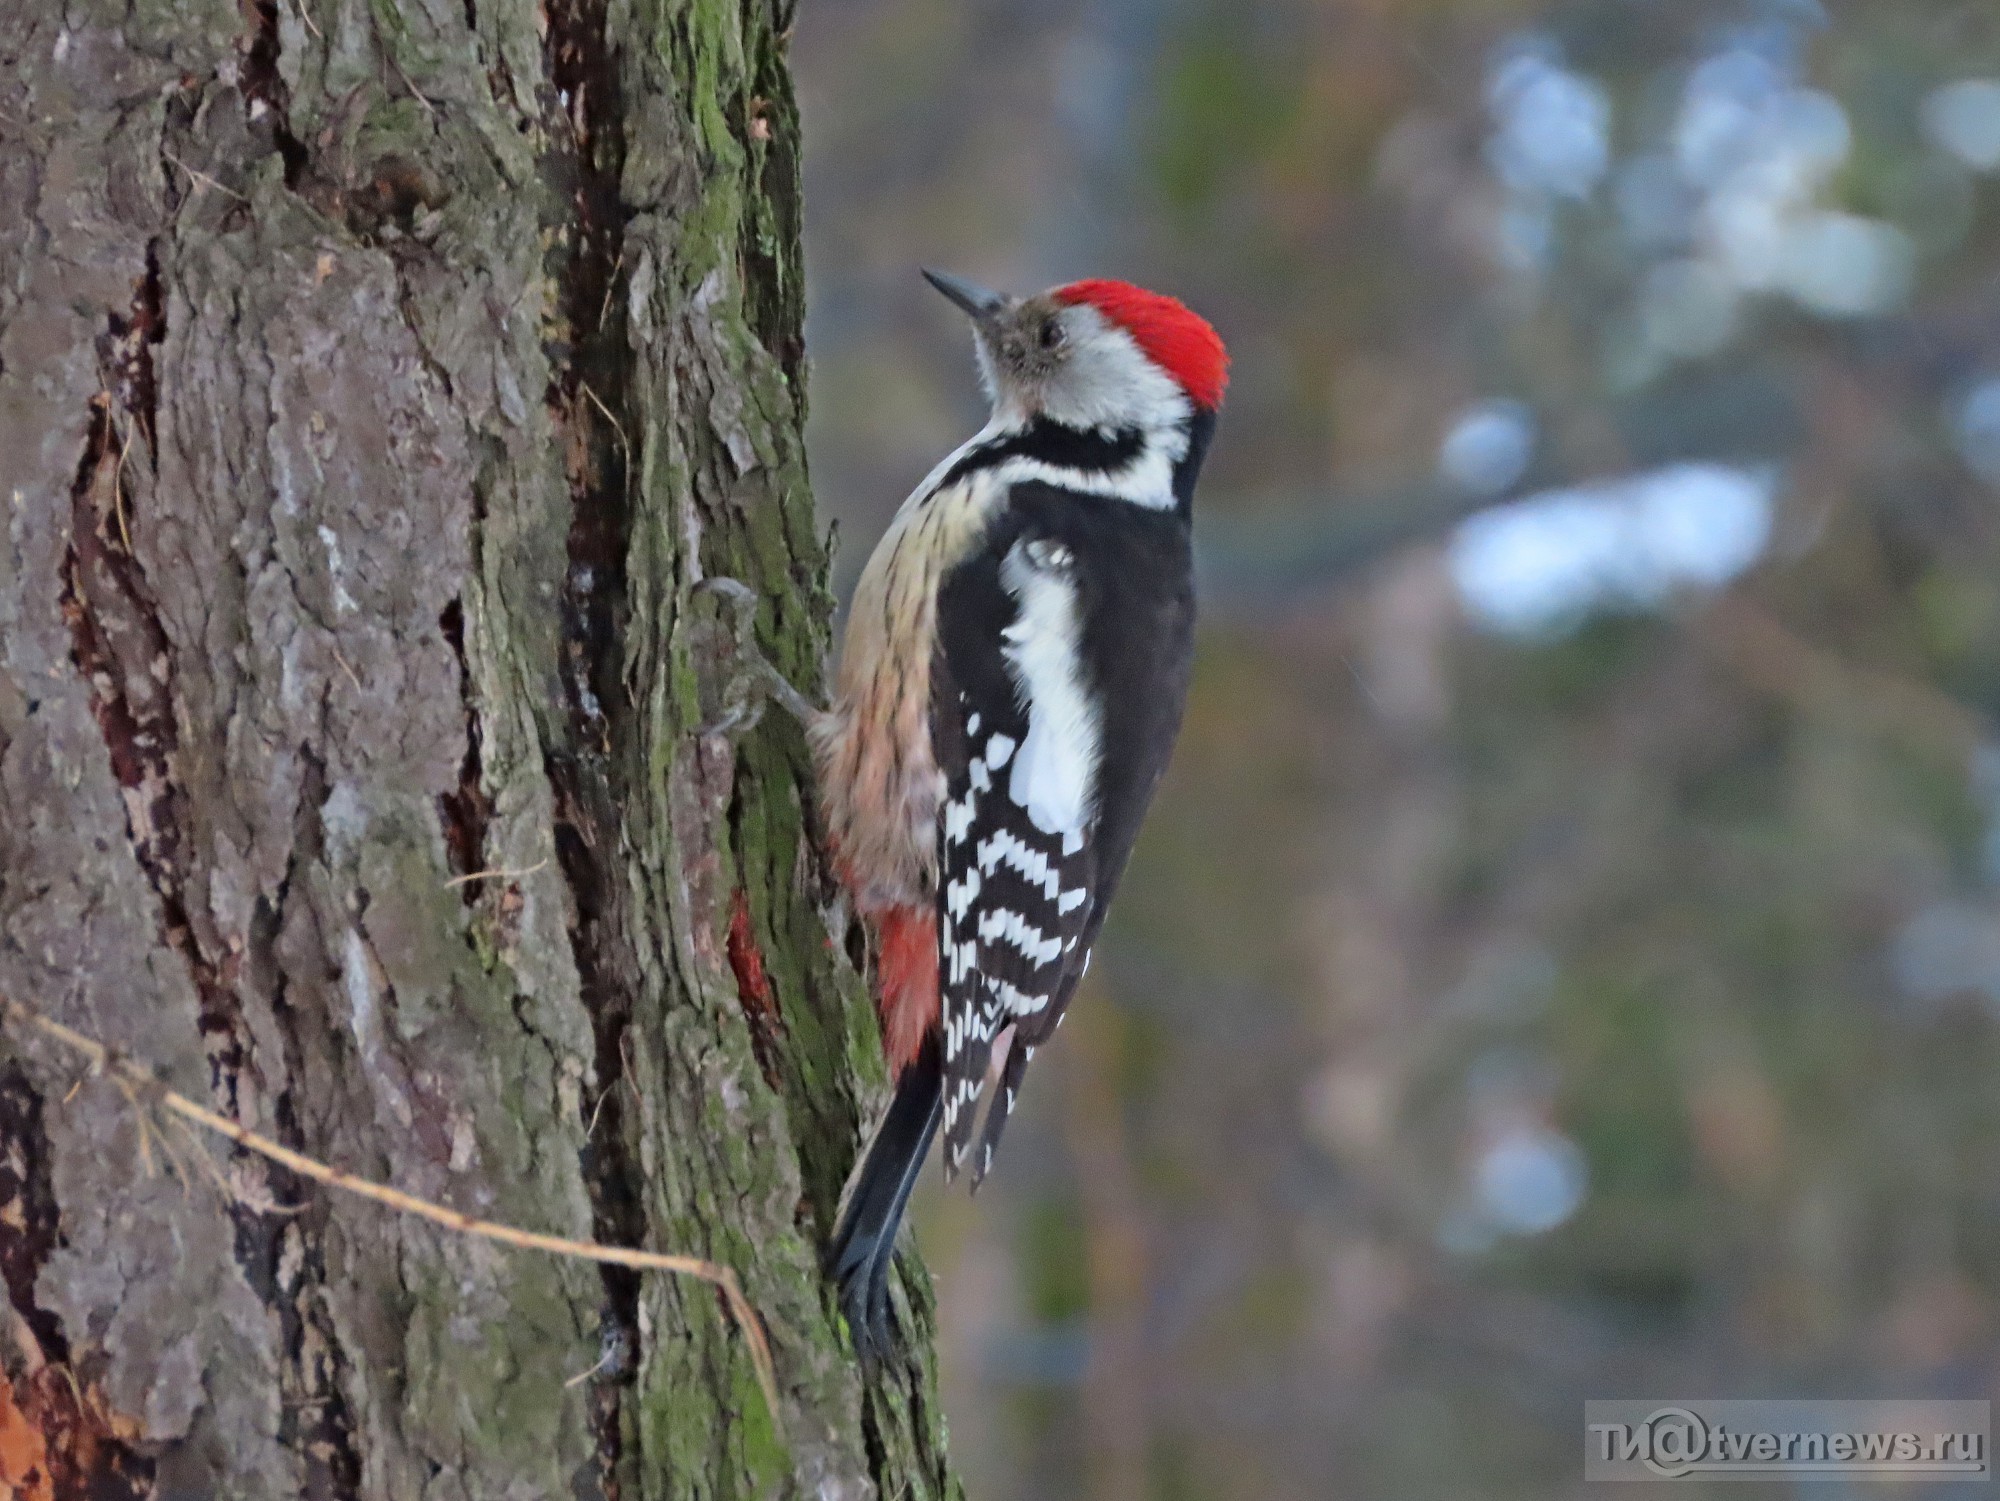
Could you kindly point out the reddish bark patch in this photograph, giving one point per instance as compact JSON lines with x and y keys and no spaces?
{"x":56,"y":1441}
{"x":24,"y":1456}
{"x":746,"y":959}
{"x":753,"y":989}
{"x":57,"y":1437}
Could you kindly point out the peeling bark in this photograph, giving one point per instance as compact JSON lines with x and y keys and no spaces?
{"x":377,"y":380}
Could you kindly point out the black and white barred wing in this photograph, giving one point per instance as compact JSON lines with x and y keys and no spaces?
{"x":1015,"y":737}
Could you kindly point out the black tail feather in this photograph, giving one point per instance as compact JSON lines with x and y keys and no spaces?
{"x":864,"y":1244}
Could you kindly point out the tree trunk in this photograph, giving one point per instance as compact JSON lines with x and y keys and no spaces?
{"x":377,"y":379}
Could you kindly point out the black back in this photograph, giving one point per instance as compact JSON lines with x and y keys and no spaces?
{"x":1131,"y":570}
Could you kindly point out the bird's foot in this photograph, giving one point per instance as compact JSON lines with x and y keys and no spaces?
{"x":863,"y":1280}
{"x":753,"y":683}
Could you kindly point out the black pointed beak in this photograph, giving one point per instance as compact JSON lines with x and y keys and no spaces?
{"x":975,"y":301}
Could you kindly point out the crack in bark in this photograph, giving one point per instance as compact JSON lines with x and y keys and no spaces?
{"x":607,"y":1162}
{"x":770,"y":241}
{"x":121,"y":650}
{"x":591,"y":361}
{"x":79,"y":1453}
{"x":266,"y":97}
{"x":466,"y":810}
{"x":871,"y":1438}
{"x":28,"y":1224}
{"x":281,"y":1252}
{"x":138,"y":389}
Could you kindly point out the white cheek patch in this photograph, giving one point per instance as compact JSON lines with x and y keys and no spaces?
{"x":1108,"y":383}
{"x":1054,"y":776}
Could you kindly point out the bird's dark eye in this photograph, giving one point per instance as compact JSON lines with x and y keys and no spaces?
{"x":1053,"y":337}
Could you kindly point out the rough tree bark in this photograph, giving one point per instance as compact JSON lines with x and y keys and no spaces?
{"x":377,"y":379}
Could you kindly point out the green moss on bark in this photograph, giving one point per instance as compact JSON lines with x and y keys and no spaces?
{"x":488,"y":311}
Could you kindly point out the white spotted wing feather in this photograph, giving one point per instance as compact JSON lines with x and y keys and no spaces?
{"x":1019,"y":746}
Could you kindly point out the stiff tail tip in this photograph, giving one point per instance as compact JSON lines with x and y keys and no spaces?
{"x":864,"y":1244}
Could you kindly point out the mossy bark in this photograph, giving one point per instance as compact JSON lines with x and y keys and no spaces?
{"x":377,"y":380}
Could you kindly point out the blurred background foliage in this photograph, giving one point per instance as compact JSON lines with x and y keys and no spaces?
{"x":1565,"y":958}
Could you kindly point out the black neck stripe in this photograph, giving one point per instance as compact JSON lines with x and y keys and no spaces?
{"x":1087,"y":450}
{"x":1201,"y":432}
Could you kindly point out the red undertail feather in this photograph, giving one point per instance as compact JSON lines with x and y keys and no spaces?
{"x":1175,"y":338}
{"x":907,"y":973}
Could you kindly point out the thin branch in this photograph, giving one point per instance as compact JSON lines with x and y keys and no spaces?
{"x":139,"y":1084}
{"x":346,"y":667}
{"x":616,"y":426}
{"x":118,"y":490}
{"x":496,"y":875}
{"x":610,"y":287}
{"x":429,"y":108}
{"x":202,"y":179}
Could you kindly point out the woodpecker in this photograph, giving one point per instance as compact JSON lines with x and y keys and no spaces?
{"x":1011,"y":684}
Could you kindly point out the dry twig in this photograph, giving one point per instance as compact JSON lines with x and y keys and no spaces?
{"x":142,"y":1087}
{"x":202,"y":179}
{"x":496,"y":875}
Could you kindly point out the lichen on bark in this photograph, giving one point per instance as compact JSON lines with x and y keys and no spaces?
{"x":378,"y":378}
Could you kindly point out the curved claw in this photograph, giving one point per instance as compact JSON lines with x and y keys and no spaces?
{"x":864,"y":1302}
{"x":755,"y":681}
{"x":882,"y":1323}
{"x":863,"y":1284}
{"x":739,"y":596}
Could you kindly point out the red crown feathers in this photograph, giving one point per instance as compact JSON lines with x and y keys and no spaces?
{"x":1179,"y":341}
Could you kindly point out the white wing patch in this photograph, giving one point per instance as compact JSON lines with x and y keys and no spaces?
{"x":1055,"y":772}
{"x":1015,"y":830}
{"x":1001,"y":845}
{"x":998,"y":925}
{"x":960,"y":895}
{"x":958,"y":817}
